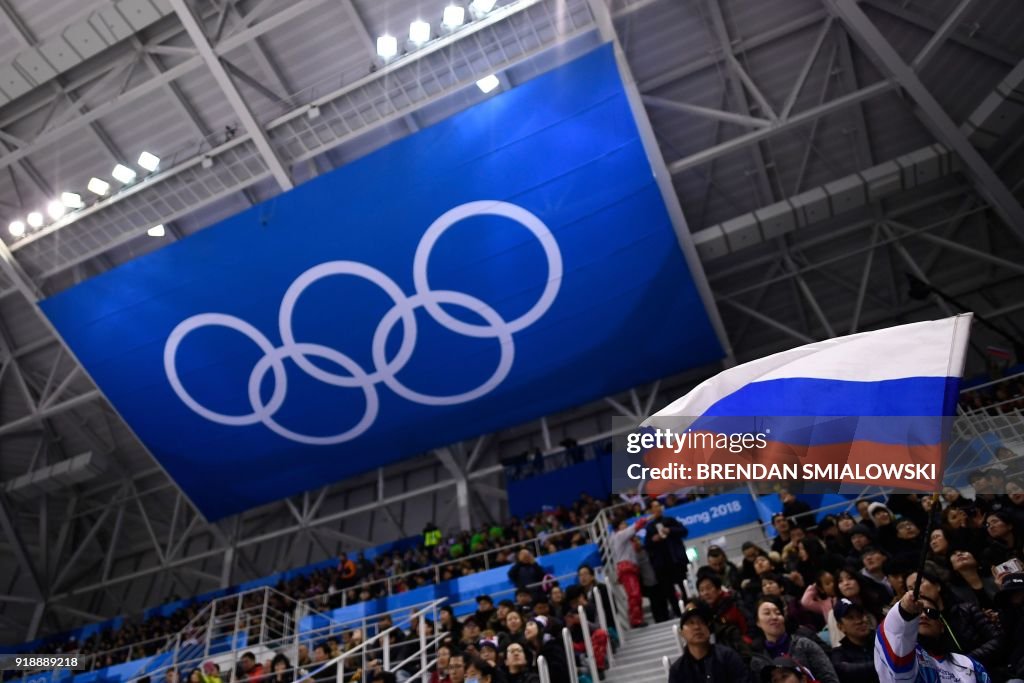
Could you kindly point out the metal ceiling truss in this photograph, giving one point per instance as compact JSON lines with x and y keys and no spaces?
{"x":131,"y":539}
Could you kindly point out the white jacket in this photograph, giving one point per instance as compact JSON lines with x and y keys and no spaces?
{"x":899,"y":657}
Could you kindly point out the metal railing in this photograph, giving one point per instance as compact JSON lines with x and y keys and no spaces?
{"x":542,"y":670}
{"x":535,"y":545}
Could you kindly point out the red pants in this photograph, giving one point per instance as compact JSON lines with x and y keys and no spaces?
{"x":599,"y":639}
{"x":629,"y":577}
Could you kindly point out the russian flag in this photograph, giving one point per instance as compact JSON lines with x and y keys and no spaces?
{"x":885,"y":398}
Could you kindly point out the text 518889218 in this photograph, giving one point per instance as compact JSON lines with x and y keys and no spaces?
{"x":42,"y":662}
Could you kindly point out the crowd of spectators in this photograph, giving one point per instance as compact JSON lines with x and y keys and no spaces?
{"x":809,"y":606}
{"x":355,"y":578}
{"x":999,"y":399}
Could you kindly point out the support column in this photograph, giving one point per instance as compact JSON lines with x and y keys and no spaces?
{"x":461,"y":487}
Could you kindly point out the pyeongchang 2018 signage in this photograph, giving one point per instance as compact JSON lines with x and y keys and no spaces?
{"x":513,"y":260}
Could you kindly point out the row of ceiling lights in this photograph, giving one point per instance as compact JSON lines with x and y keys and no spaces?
{"x":72,"y":201}
{"x":453,"y":17}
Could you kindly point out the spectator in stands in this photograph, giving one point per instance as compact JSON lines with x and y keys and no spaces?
{"x":910,"y":646}
{"x":524,"y":599}
{"x":967,"y":583}
{"x":470,"y":633}
{"x":721,"y":604}
{"x":627,"y":568}
{"x":702,"y":660}
{"x":485,"y":614}
{"x":751,"y":551}
{"x":796,"y":510}
{"x":575,"y":597}
{"x":785,"y":670}
{"x":592,"y":587}
{"x":457,"y":667}
{"x":939,"y":549}
{"x":975,"y":635}
{"x":873,"y":558}
{"x":478,"y":670}
{"x":556,"y":599}
{"x":195,"y":675}
{"x":775,"y":640}
{"x":663,"y":542}
{"x":860,"y":590}
{"x":1010,"y":602}
{"x":543,"y":639}
{"x":321,"y":673}
{"x":1004,"y":543}
{"x":864,"y":514}
{"x":720,"y":565}
{"x":517,"y":666}
{"x":853,"y":658}
{"x":885,"y":525}
{"x":783,"y":529}
{"x":249,"y":669}
{"x":820,"y":596}
{"x":281,"y":670}
{"x":439,"y":673}
{"x":526,"y":573}
{"x":514,"y":624}
{"x":449,"y":624}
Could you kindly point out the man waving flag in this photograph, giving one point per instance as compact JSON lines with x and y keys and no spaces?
{"x":870,"y":408}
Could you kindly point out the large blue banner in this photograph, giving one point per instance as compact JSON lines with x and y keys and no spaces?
{"x":514,"y":260}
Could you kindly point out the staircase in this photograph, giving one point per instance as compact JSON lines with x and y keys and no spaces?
{"x":639,"y":658}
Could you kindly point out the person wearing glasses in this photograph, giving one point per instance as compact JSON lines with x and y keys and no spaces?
{"x":912,"y":645}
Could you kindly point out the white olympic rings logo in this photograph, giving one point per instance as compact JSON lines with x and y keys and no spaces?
{"x":403,"y":311}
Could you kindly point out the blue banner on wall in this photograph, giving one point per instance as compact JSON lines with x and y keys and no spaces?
{"x":512,"y":261}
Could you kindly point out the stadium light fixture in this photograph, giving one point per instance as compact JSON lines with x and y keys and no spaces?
{"x":71,"y":200}
{"x":35,"y":219}
{"x":16,"y":228}
{"x":387,"y":46}
{"x":454,"y":16}
{"x":488,"y":83}
{"x":156,"y":231}
{"x":148,"y":161}
{"x":97,"y":186}
{"x":419,"y":32}
{"x":56,"y":209}
{"x":482,"y":7}
{"x":123,"y":174}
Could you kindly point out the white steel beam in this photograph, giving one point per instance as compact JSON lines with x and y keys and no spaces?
{"x":230,"y":90}
{"x":931,"y":113}
{"x":784,"y":125}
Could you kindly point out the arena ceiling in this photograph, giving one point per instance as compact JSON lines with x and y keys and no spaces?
{"x":819,"y":149}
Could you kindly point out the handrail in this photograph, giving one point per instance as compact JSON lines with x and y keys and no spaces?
{"x":602,"y":621}
{"x":570,"y":655}
{"x":362,"y":648}
{"x":542,"y":670}
{"x":436,"y":568}
{"x":992,"y":382}
{"x":666,"y":666}
{"x":588,"y":644}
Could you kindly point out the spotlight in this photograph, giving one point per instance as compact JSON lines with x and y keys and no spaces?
{"x":482,"y":7}
{"x":313,"y":113}
{"x":454,"y":16}
{"x":207,"y":162}
{"x":55,"y":209}
{"x":123,"y":174}
{"x":387,"y":46}
{"x":71,"y":200}
{"x":97,"y":186}
{"x":148,"y":161}
{"x":35,"y":219}
{"x":16,"y":228}
{"x":156,"y":231}
{"x":488,"y":83}
{"x":419,"y":32}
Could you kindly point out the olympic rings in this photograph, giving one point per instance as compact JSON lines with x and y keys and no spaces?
{"x":403,"y":311}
